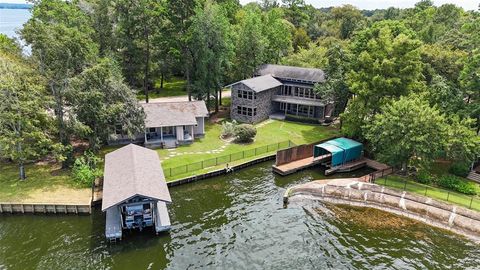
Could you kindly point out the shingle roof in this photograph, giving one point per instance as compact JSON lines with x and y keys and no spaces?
{"x":163,"y":114}
{"x":133,"y":170}
{"x":289,"y":72}
{"x":261,"y":83}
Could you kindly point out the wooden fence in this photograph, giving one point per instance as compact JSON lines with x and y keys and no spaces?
{"x":45,"y":208}
{"x":297,"y":152}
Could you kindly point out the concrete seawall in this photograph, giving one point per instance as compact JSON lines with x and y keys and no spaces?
{"x":351,"y":192}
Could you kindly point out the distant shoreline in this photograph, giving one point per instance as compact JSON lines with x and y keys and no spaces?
{"x":15,"y":6}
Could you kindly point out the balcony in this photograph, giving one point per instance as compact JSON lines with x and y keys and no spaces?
{"x":298,"y":100}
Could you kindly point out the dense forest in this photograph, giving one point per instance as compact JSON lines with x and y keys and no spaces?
{"x":406,"y":81}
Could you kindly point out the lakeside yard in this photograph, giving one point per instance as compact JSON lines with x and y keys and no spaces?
{"x":172,"y":87}
{"x":50,"y":184}
{"x":268,"y":132}
{"x":409,"y":185}
{"x":44,"y":184}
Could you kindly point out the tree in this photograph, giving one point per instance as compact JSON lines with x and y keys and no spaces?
{"x":349,"y":19}
{"x":470,"y":83}
{"x":103,"y":104}
{"x":250,"y":43}
{"x":335,"y":87}
{"x":60,"y":36}
{"x":386,"y":65}
{"x":408,"y":130}
{"x":300,"y":39}
{"x":25,"y":127}
{"x":444,"y":95}
{"x":463,"y":143}
{"x":277,"y":34}
{"x":211,"y":36}
{"x":179,"y":14}
{"x":313,"y":56}
{"x":137,"y":23}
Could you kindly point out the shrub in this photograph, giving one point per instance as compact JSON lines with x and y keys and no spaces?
{"x":245,"y":133}
{"x":85,"y":170}
{"x":459,"y":169}
{"x":424,"y":177}
{"x":228,"y":129}
{"x":457,"y":184}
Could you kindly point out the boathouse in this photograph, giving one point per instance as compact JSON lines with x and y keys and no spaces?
{"x":135,"y":193}
{"x":342,"y":150}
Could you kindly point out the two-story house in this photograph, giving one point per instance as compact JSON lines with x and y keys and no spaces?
{"x":282,"y":92}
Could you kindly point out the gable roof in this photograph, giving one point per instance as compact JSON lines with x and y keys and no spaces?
{"x":261,"y":83}
{"x":133,"y":171}
{"x":292,"y":73}
{"x":163,"y":114}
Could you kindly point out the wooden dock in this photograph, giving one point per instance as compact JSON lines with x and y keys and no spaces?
{"x":44,"y":208}
{"x":347,"y":167}
{"x":113,"y":225}
{"x":301,"y":164}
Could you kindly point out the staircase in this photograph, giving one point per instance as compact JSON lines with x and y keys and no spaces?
{"x":474,"y":176}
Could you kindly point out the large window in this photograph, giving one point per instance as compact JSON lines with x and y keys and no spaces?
{"x":246,"y":94}
{"x":246,"y":111}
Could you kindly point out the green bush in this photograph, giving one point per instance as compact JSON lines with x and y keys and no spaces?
{"x":457,"y":184}
{"x":245,"y":133}
{"x":228,"y":129}
{"x":85,"y":170}
{"x":424,"y":177}
{"x":459,"y":169}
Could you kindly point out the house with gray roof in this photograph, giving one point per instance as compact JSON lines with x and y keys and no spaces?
{"x":280,"y":92}
{"x":169,"y":124}
{"x":135,"y":193}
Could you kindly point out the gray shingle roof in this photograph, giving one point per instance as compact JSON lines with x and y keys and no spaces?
{"x":163,"y":114}
{"x":133,"y":170}
{"x":261,"y":83}
{"x":289,"y":72}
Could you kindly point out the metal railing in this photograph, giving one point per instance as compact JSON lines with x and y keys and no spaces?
{"x":212,"y":162}
{"x":468,"y":201}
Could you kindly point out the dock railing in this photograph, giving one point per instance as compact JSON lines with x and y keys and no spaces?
{"x":212,"y":162}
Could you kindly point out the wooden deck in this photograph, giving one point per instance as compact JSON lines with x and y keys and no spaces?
{"x":298,"y":165}
{"x":347,"y":167}
{"x":113,"y":225}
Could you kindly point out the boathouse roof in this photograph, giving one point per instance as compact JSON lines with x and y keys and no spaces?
{"x":298,"y":74}
{"x":343,"y":150}
{"x":133,"y":171}
{"x":182,"y":113}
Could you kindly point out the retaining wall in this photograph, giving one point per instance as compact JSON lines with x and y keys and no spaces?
{"x":435,"y":213}
{"x":44,"y":208}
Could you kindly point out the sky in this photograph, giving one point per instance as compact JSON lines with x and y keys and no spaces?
{"x":362,"y":4}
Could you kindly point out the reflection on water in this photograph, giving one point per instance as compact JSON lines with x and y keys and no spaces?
{"x":238,"y":222}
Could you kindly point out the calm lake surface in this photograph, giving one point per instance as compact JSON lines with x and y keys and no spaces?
{"x":12,"y":20}
{"x":238,"y":222}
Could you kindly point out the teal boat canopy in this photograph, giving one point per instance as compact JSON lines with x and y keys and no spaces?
{"x":342,"y":149}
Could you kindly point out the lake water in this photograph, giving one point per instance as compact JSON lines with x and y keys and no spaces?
{"x":238,"y":222}
{"x":12,"y":20}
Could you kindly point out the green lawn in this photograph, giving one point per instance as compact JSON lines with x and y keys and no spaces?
{"x":268,"y":132}
{"x":174,"y":86}
{"x":44,"y":183}
{"x":398,"y":182}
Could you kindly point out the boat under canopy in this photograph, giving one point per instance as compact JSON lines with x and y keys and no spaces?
{"x":135,"y":194}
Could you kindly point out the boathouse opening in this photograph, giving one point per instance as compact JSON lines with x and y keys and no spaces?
{"x":135,"y":194}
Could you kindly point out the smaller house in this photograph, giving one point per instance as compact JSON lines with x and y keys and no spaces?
{"x":168,"y":124}
{"x":135,"y":193}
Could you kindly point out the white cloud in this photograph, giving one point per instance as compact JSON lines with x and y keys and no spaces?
{"x":379,"y":4}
